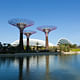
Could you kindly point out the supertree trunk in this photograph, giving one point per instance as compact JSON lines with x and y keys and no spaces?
{"x":21,"y":40}
{"x":27,"y":46}
{"x":46,"y":41}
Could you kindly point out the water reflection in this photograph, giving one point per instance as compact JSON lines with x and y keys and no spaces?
{"x":6,"y":61}
{"x":27,"y":65}
{"x":40,"y":68}
{"x":47,"y":68}
{"x":20,"y":68}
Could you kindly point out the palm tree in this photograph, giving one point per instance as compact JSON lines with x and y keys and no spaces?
{"x":37,"y":44}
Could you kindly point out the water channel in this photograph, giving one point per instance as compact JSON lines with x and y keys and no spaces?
{"x":48,"y":67}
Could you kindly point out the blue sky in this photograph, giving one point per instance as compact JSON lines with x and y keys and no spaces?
{"x":65,"y":14}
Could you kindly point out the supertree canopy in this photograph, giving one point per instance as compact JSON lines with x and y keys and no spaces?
{"x":46,"y":29}
{"x":28,"y":33}
{"x":21,"y":24}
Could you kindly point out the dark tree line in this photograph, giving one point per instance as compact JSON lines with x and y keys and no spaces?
{"x":6,"y":48}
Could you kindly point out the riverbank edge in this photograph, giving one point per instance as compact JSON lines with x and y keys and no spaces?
{"x":71,"y":52}
{"x":38,"y":54}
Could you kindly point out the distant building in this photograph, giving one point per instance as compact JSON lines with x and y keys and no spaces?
{"x":33,"y":42}
{"x":64,"y":41}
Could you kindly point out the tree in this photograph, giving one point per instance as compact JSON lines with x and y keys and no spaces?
{"x":74,"y":46}
{"x":37,"y":44}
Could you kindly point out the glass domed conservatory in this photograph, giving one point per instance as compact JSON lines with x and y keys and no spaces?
{"x":63,"y":41}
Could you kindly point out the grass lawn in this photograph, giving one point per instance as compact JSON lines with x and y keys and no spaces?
{"x":76,"y":49}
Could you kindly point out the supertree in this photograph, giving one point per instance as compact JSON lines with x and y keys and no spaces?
{"x":28,"y":33}
{"x":46,"y":29}
{"x":21,"y":24}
